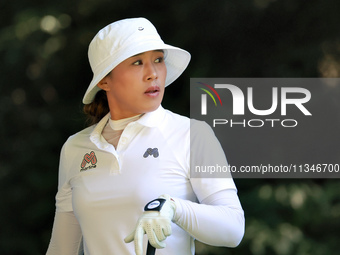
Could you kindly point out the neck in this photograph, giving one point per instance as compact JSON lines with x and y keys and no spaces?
{"x":122,"y":123}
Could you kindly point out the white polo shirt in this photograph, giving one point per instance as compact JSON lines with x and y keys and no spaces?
{"x":107,"y":188}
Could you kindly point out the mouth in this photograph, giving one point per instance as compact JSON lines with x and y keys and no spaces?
{"x":152,"y":91}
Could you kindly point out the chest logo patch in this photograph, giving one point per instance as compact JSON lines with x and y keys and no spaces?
{"x":151,"y":152}
{"x":89,"y":161}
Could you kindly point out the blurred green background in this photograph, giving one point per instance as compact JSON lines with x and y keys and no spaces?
{"x":45,"y":72}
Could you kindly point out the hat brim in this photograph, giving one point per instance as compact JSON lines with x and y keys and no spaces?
{"x":176,"y":61}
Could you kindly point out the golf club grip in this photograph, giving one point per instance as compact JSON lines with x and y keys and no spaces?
{"x":150,"y":250}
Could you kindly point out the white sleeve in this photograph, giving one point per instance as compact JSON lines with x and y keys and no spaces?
{"x":206,"y":155}
{"x":218,"y":220}
{"x":66,"y":235}
{"x":64,"y":194}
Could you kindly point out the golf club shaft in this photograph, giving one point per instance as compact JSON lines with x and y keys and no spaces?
{"x":150,"y":250}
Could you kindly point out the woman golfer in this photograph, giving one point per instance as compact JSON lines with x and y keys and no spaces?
{"x":125,"y":180}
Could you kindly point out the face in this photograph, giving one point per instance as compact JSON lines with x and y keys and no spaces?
{"x":136,"y":85}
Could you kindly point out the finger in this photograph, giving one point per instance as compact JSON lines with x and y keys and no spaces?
{"x":139,"y":240}
{"x":159,"y":233}
{"x":154,"y":240}
{"x":130,"y":237}
{"x":167,"y":230}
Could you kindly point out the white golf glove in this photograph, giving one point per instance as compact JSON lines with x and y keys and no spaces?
{"x":155,"y":222}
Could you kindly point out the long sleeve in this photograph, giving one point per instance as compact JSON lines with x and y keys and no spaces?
{"x":218,"y":220}
{"x":66,"y":235}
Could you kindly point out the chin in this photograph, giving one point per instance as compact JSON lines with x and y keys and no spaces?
{"x":152,"y":108}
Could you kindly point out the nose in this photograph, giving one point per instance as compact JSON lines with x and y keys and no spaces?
{"x":150,"y":72}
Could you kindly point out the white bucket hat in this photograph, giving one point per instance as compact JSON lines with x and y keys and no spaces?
{"x":123,"y":39}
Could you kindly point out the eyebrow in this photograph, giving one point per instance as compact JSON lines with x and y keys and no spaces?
{"x":144,"y":53}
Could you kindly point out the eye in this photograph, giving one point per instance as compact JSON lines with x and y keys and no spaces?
{"x":137,"y":63}
{"x":159,"y":60}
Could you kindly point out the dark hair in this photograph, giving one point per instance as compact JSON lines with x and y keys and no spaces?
{"x":96,"y":110}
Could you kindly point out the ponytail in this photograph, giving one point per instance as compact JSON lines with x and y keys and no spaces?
{"x":96,"y":110}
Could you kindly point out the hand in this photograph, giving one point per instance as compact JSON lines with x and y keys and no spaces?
{"x":156,"y":224}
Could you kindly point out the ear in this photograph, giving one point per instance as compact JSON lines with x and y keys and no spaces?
{"x":103,"y":84}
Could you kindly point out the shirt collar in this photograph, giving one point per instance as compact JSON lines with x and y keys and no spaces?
{"x":150,"y":119}
{"x":98,"y":129}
